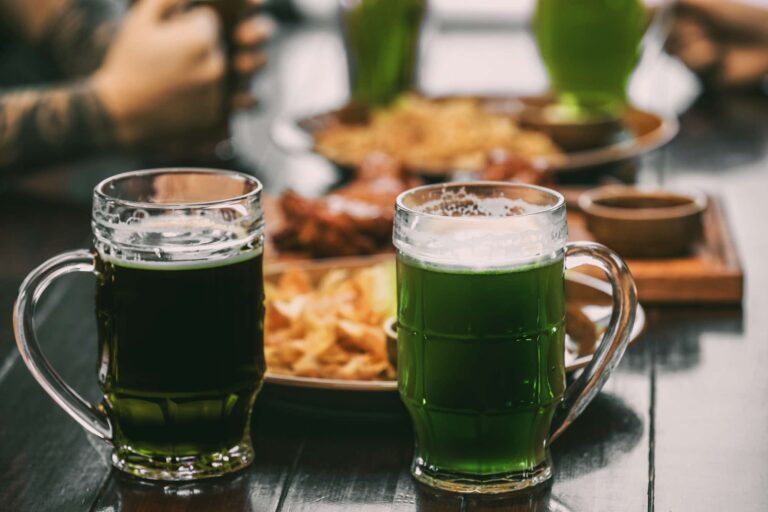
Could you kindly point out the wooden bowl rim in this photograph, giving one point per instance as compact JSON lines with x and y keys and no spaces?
{"x":588,"y":203}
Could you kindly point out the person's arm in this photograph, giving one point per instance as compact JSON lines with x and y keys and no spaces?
{"x":41,"y":126}
{"x":78,"y":35}
{"x":724,"y":42}
{"x":75,"y":33}
{"x":162,"y":79}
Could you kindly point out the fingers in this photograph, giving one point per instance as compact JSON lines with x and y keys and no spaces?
{"x":197,"y":31}
{"x":248,"y":62}
{"x":201,"y":20}
{"x":728,"y":18}
{"x":684,"y":30}
{"x":700,"y":56}
{"x":158,"y":9}
{"x":744,"y":67}
{"x":724,"y":43}
{"x":253,"y":31}
{"x":214,"y":68}
{"x":691,"y":43}
{"x":243,"y":100}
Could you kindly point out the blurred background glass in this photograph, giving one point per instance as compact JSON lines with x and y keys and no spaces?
{"x":590,"y":48}
{"x":382,"y":44}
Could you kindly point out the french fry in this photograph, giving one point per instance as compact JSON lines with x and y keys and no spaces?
{"x":453,"y":133}
{"x":332,"y":330}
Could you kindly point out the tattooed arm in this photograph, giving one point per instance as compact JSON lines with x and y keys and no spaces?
{"x":75,"y":33}
{"x":41,"y":126}
{"x":161,"y":79}
{"x":80,"y":33}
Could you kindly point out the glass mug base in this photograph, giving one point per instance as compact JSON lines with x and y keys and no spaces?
{"x":209,"y":465}
{"x":481,"y":484}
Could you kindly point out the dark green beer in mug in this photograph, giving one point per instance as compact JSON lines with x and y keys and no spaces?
{"x":481,"y":331}
{"x":181,"y":353}
{"x":177,"y":256}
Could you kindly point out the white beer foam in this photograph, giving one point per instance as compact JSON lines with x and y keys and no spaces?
{"x":181,"y":264}
{"x":462,"y":230}
{"x":462,"y":204}
{"x":177,"y":241}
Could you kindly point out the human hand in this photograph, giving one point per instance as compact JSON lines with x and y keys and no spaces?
{"x":248,"y":38}
{"x":724,"y":42}
{"x":164,"y":73}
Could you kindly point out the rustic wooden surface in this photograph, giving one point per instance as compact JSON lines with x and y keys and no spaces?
{"x":712,"y":273}
{"x":680,"y":426}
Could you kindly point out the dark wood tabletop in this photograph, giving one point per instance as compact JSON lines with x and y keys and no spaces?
{"x":681,"y":425}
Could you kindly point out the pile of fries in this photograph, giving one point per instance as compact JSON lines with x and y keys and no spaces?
{"x":426,"y":134}
{"x":330,"y":329}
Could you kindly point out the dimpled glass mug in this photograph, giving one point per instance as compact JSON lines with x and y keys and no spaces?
{"x":481,"y":327}
{"x":180,"y":304}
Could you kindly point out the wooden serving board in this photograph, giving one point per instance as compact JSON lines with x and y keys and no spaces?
{"x":710,"y":274}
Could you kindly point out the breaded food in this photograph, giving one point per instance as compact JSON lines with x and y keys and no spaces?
{"x":432,"y":135}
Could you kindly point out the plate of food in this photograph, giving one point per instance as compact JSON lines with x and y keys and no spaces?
{"x":356,"y":218}
{"x":328,"y":334}
{"x":443,"y":135}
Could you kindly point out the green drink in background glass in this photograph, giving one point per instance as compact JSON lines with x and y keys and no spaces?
{"x":590,"y":48}
{"x":382,"y":45}
{"x":481,"y":312}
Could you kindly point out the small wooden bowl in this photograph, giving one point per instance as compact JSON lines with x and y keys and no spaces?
{"x":570,"y":134}
{"x":644,"y":223}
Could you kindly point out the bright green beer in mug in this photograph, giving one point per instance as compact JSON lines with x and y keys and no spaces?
{"x":590,"y":48}
{"x":488,"y":418}
{"x":481,"y":328}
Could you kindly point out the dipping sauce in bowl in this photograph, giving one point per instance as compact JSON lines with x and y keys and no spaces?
{"x":644,"y":223}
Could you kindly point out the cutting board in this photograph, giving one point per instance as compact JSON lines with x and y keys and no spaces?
{"x":710,"y":274}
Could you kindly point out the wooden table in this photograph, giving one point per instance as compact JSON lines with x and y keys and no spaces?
{"x":681,"y":426}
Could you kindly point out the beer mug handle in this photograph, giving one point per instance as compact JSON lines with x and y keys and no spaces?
{"x":91,"y":417}
{"x":608,"y":354}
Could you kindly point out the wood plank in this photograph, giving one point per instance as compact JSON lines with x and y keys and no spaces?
{"x":712,"y":441}
{"x":350,"y":463}
{"x":32,"y":230}
{"x":256,"y":489}
{"x":712,"y":426}
{"x":601,"y":461}
{"x":47,"y":461}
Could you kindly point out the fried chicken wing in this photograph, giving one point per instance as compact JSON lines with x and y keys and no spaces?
{"x":353,"y":220}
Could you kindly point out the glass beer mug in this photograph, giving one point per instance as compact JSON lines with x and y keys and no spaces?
{"x":179,"y":304}
{"x":381,"y":39}
{"x":591,"y":47}
{"x":481,"y":329}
